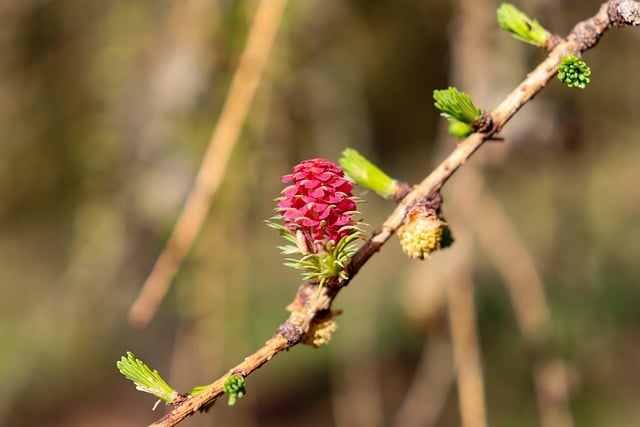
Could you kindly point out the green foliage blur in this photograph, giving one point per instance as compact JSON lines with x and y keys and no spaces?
{"x":106,"y":108}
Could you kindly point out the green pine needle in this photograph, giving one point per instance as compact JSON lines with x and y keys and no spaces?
{"x":574,"y":72}
{"x":362,"y":171}
{"x":521,"y":26}
{"x":145,"y":379}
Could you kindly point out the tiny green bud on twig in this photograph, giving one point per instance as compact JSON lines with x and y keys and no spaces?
{"x":146,"y":379}
{"x":458,"y":108}
{"x":234,"y":386}
{"x":459,"y":129}
{"x":573,"y":71}
{"x":522,"y":27}
{"x":362,"y":171}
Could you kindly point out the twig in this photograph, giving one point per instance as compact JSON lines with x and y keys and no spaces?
{"x":309,"y":303}
{"x":214,"y":164}
{"x":356,"y":394}
{"x":526,"y":290}
{"x":466,"y":352}
{"x":427,"y":395}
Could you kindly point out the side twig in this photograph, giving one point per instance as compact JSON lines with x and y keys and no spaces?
{"x":427,"y":395}
{"x":214,"y":164}
{"x":526,"y":290}
{"x":466,"y":351}
{"x":309,"y":303}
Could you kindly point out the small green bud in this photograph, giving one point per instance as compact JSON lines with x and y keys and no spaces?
{"x":459,"y":129}
{"x":234,"y":386}
{"x":522,"y":27}
{"x":574,"y":72}
{"x":366,"y":174}
{"x":458,"y":108}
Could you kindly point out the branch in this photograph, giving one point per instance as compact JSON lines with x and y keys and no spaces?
{"x":427,"y":394}
{"x":310,"y":304}
{"x":466,"y":353}
{"x":214,"y":164}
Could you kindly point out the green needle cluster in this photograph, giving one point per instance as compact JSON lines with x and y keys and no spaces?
{"x":458,"y":108}
{"x":361,"y":170}
{"x":574,"y":72}
{"x":145,"y":379}
{"x":235,"y":388}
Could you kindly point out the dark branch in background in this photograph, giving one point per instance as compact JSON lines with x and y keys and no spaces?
{"x":310,"y":306}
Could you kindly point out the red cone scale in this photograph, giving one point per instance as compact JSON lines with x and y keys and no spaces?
{"x":318,"y":203}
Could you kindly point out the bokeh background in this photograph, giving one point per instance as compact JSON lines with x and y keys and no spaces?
{"x":106,"y":108}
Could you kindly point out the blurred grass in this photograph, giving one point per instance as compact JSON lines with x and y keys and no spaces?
{"x":105,"y":110}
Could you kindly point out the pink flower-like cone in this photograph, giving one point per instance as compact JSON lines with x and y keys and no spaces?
{"x":318,"y":203}
{"x":317,"y":209}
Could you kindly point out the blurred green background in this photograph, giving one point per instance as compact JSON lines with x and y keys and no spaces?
{"x":106,"y":108}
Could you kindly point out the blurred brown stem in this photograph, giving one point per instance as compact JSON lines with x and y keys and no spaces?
{"x":216,"y":159}
{"x":513,"y":262}
{"x":309,"y":303}
{"x":427,"y":395}
{"x":466,"y":351}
